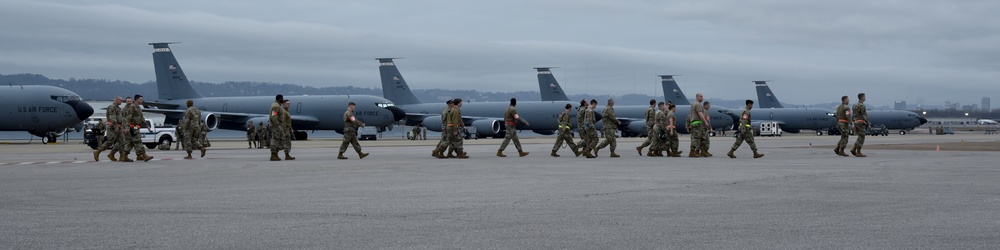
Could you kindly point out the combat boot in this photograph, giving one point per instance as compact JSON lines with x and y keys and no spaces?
{"x":203,"y":152}
{"x":595,"y":152}
{"x":362,"y":155}
{"x":289,"y":157}
{"x":451,"y":153}
{"x":146,"y":157}
{"x":97,"y":155}
{"x":341,"y":156}
{"x":639,"y":149}
{"x":854,"y":151}
{"x":658,"y":153}
{"x":125,"y":158}
{"x":500,"y":153}
{"x":440,"y":155}
{"x":112,"y":156}
{"x":859,"y":154}
{"x":731,"y":155}
{"x":756,"y":155}
{"x":274,"y":157}
{"x":188,"y":157}
{"x":677,"y":153}
{"x":840,"y":152}
{"x":522,"y":153}
{"x":553,"y":154}
{"x":650,"y":153}
{"x":463,"y":155}
{"x":588,"y":154}
{"x":435,"y":153}
{"x":613,"y":155}
{"x":694,"y":154}
{"x":706,"y":154}
{"x":576,"y":152}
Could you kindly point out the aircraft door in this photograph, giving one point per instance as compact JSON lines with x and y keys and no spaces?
{"x":225,"y":107}
{"x":298,"y":108}
{"x":771,"y":116}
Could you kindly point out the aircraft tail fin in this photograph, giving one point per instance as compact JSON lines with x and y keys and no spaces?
{"x":171,"y":83}
{"x":672,"y":92}
{"x":394,"y":87}
{"x":549,"y":87}
{"x":766,"y":98}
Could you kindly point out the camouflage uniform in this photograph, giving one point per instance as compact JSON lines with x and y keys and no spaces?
{"x":746,"y":134}
{"x":265,"y":136}
{"x":99,"y":130}
{"x":251,"y":135}
{"x":843,"y":124}
{"x":204,"y":136}
{"x":261,"y":132}
{"x":697,"y":129}
{"x":610,"y":128}
{"x":192,"y":129}
{"x":591,"y":130}
{"x":455,"y":125}
{"x":657,"y":134}
{"x":565,"y":135}
{"x":581,"y":116}
{"x":114,"y":131}
{"x":860,"y":126}
{"x":445,"y":141}
{"x":510,"y":119}
{"x":351,"y":125}
{"x":673,"y":142}
{"x":650,"y":117}
{"x":135,"y":121}
{"x":276,"y":131}
{"x":287,"y":143}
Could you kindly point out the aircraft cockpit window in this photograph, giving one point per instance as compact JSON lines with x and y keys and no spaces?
{"x":829,"y":114}
{"x":63,"y":98}
{"x":385,"y":104}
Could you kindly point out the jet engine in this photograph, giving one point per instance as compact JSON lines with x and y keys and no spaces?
{"x":636,"y":128}
{"x":432,"y":123}
{"x":485,"y":127}
{"x":211,"y":120}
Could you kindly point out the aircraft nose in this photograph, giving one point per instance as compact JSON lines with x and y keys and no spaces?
{"x":83,"y":110}
{"x":397,"y":113}
{"x":922,"y":120}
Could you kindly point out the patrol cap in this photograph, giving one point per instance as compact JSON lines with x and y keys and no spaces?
{"x":749,"y":101}
{"x":350,"y":104}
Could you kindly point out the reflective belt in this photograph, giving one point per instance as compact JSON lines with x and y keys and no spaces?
{"x":452,"y":125}
{"x":842,"y":120}
{"x":861,"y":121}
{"x":563,"y":126}
{"x":748,"y":125}
{"x":695,"y":123}
{"x":510,"y":122}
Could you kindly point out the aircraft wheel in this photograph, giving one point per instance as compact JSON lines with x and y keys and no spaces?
{"x":819,"y":132}
{"x":902,"y":132}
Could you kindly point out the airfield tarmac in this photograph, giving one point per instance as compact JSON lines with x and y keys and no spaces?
{"x":799,"y":195}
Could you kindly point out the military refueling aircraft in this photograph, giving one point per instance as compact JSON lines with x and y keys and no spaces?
{"x":633,"y":118}
{"x":316,"y":112}
{"x":43,"y":111}
{"x":892,"y":119}
{"x":485,"y":117}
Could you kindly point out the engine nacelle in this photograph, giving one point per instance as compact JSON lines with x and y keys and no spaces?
{"x":432,"y":123}
{"x":637,"y":128}
{"x":486,"y":127}
{"x":211,"y":120}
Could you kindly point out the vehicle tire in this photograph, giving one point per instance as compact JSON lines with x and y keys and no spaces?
{"x":163,"y":140}
{"x":150,"y":145}
{"x":712,"y":134}
{"x":818,"y":133}
{"x":902,"y":132}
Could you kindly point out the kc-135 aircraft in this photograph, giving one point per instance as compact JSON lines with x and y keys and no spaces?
{"x":790,"y":120}
{"x":485,"y":117}
{"x":313,"y":112}
{"x":633,"y":118}
{"x":43,"y":111}
{"x":902,"y":120}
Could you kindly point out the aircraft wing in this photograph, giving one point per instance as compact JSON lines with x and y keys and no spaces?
{"x":162,"y":105}
{"x":239,"y":118}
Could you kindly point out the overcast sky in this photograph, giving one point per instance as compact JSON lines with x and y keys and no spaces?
{"x":814,"y":51}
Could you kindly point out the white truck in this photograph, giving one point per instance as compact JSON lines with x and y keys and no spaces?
{"x":157,"y":135}
{"x":769,"y":129}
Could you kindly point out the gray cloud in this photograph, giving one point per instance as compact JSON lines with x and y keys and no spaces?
{"x":815,"y":50}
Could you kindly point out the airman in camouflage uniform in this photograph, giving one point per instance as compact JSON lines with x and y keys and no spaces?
{"x":287,"y":143}
{"x":456,"y":125}
{"x":650,"y":117}
{"x":192,"y":130}
{"x":261,"y":135}
{"x":135,"y":120}
{"x":99,"y":129}
{"x":657,"y":132}
{"x":276,"y":131}
{"x":673,"y":142}
{"x":565,"y":133}
{"x":590,"y":125}
{"x":251,"y":134}
{"x":610,"y":127}
{"x":510,"y":119}
{"x":581,"y":117}
{"x":861,"y":125}
{"x":746,"y":133}
{"x":445,"y":142}
{"x":843,"y":124}
{"x":351,"y":125}
{"x":706,"y":137}
{"x":114,"y":131}
{"x":698,"y":124}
